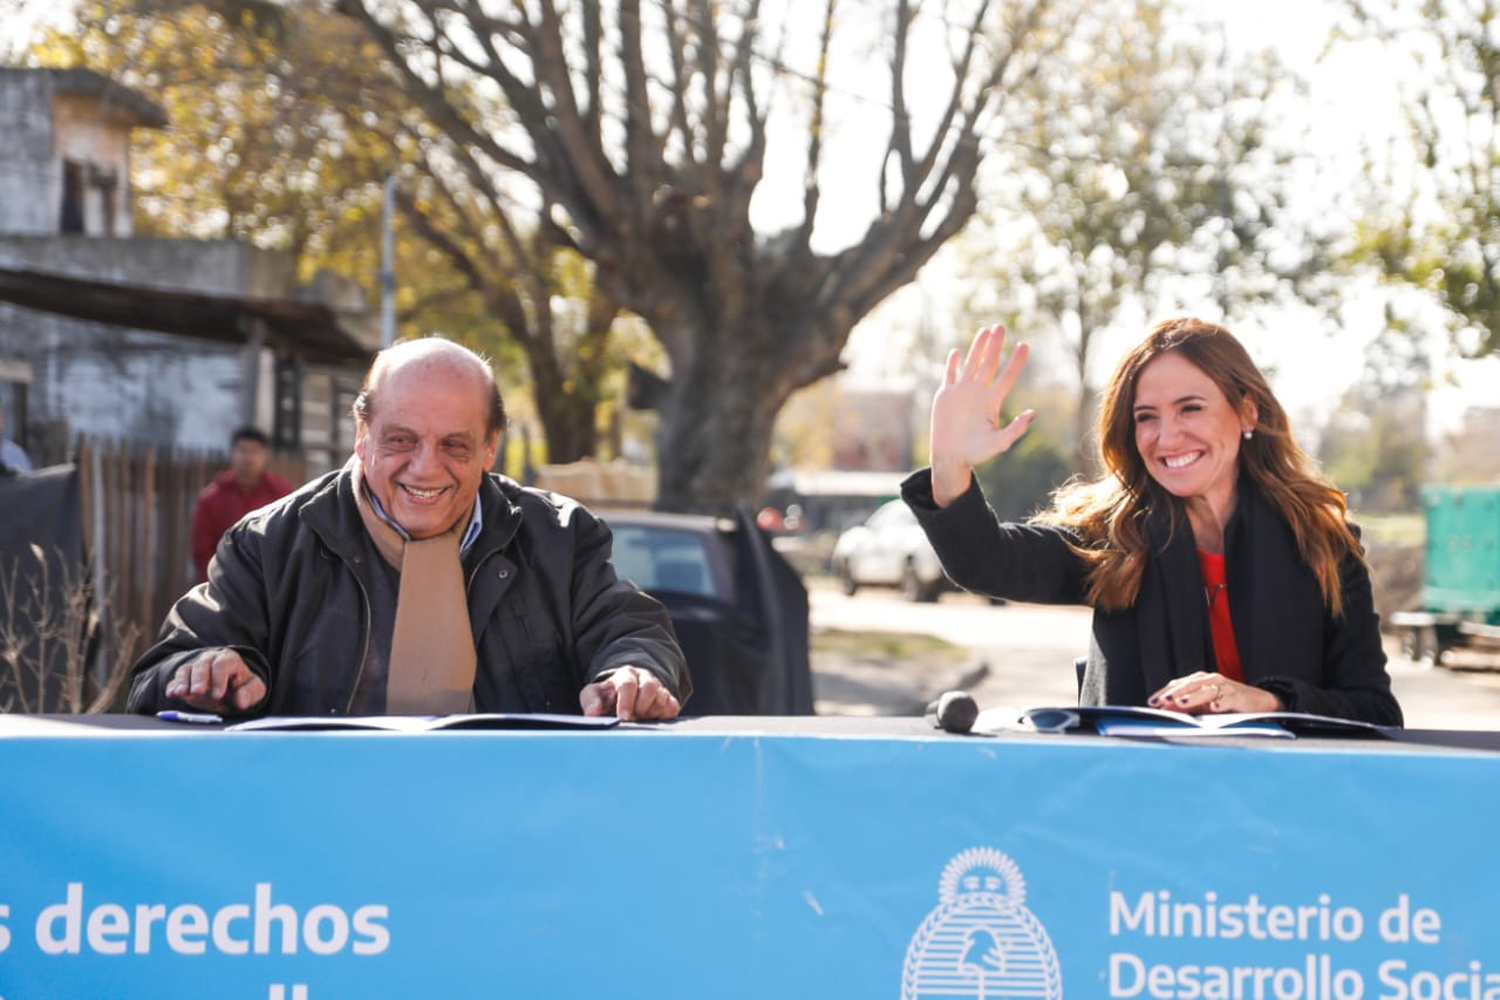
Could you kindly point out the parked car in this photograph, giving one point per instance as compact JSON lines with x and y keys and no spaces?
{"x":889,"y":549}
{"x":739,"y":608}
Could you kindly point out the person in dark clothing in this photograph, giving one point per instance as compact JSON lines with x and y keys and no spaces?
{"x":415,"y":581}
{"x":245,"y":486}
{"x":1223,"y":570}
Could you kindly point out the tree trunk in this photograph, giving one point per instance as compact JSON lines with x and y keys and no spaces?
{"x":717,"y":422}
{"x":569,"y":426}
{"x":1085,"y":451}
{"x":715,"y":447}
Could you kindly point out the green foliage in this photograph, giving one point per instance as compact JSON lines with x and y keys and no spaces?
{"x":1145,"y":169}
{"x":1433,"y":215}
{"x":1020,"y":482}
{"x":1374,"y":447}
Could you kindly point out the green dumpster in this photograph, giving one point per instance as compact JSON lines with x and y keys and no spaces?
{"x":1461,"y":574}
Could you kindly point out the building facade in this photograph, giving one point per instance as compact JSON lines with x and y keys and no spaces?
{"x":163,"y":342}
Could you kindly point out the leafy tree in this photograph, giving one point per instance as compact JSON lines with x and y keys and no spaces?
{"x":641,"y":134}
{"x":286,"y":121}
{"x":1374,"y":444}
{"x":808,"y":425}
{"x":1144,"y":170}
{"x":1434,"y":216}
{"x":1468,"y":455}
{"x":1021,"y":482}
{"x":1374,"y":448}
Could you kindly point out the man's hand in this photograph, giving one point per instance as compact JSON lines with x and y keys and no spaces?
{"x":629,"y":693}
{"x":217,"y":680}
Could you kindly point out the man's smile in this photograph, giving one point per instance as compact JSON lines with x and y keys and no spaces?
{"x":421,"y":495}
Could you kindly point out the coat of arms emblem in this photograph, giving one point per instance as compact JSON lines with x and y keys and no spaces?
{"x":981,"y":941}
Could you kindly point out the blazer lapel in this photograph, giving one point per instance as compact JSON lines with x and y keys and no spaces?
{"x":1274,"y":602}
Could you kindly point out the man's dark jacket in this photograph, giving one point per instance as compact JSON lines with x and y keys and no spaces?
{"x":1288,"y":640}
{"x":289,"y":590}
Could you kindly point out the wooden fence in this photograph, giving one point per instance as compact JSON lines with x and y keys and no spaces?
{"x":137,"y":521}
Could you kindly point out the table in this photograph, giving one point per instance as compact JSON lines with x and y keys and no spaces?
{"x":741,"y":858}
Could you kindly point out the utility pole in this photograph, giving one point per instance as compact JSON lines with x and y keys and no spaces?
{"x":388,"y":266}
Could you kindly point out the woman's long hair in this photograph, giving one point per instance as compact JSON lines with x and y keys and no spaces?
{"x":1109,"y":514}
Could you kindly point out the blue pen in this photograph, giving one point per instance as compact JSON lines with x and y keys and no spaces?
{"x":206,"y":718}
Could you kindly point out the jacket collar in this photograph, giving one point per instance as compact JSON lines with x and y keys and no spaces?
{"x":332,"y":514}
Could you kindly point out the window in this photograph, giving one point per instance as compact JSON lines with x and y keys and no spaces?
{"x":286,"y":415}
{"x":663,"y":559}
{"x":71,"y":220}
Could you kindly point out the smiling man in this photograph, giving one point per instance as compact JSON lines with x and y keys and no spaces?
{"x":416,"y":581}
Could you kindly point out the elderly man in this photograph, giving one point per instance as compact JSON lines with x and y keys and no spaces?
{"x":413,"y":581}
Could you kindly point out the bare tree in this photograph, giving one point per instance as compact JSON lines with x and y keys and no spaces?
{"x":641,"y":133}
{"x":50,"y":622}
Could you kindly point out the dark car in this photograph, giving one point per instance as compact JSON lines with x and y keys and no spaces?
{"x":739,"y":608}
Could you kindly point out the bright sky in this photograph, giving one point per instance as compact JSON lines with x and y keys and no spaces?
{"x":1352,"y":98}
{"x":18,"y":18}
{"x":1352,"y":95}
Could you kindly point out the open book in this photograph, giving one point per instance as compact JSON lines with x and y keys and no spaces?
{"x":425,"y":723}
{"x":1136,"y":720}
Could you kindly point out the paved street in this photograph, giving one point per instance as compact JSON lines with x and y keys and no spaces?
{"x":1023,"y":655}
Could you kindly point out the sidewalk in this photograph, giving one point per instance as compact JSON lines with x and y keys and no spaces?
{"x":1443,"y":698}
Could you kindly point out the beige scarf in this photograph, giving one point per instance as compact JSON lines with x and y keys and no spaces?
{"x":432,"y":647}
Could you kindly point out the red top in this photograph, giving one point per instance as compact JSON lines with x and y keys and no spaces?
{"x":1216,"y":592}
{"x":223,"y":502}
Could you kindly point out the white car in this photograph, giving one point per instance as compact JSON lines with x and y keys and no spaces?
{"x":889,"y":549}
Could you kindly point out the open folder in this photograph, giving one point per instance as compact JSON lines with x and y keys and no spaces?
{"x":1136,"y":720}
{"x":425,"y":723}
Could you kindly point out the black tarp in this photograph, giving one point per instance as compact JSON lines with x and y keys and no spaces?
{"x":42,"y":570}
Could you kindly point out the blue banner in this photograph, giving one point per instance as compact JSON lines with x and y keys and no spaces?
{"x":272,"y":866}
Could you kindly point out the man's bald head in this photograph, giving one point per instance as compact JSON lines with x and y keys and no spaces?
{"x":427,"y":424}
{"x":429,"y":355}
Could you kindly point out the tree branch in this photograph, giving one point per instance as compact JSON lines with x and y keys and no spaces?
{"x":811,"y":191}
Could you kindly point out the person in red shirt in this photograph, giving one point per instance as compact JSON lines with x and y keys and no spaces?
{"x":235,"y":492}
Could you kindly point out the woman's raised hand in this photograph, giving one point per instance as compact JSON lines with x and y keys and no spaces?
{"x":966,"y":429}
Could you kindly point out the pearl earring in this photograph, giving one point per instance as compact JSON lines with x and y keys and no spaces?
{"x":1249,"y":433}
